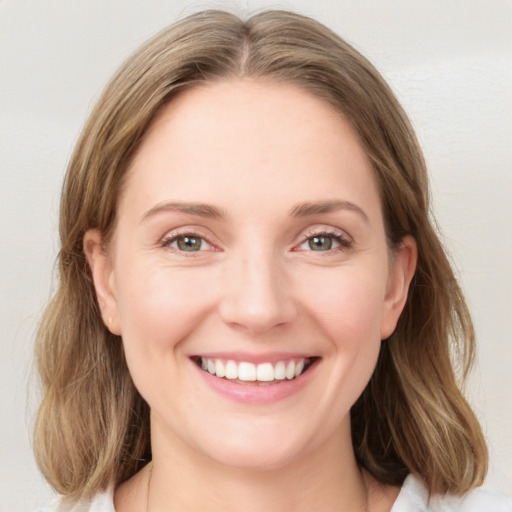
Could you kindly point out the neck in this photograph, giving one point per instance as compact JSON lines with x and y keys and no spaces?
{"x":326,"y":479}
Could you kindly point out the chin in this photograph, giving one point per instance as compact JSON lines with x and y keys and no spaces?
{"x":263,"y":449}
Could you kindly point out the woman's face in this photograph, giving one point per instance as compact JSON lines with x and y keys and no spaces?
{"x":249,"y":249}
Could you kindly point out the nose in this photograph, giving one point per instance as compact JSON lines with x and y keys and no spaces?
{"x":256,"y":295}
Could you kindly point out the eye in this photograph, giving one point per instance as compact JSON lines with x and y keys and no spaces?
{"x":320,"y":243}
{"x":187,"y":243}
{"x":325,"y":242}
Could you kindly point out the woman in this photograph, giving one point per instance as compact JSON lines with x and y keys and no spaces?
{"x":254,"y":310}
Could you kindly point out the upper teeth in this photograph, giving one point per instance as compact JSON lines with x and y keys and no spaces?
{"x":264,"y":372}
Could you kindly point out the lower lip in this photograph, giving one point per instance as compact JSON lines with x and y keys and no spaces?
{"x":253,"y":393}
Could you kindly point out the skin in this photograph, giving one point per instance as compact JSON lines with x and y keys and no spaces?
{"x":253,"y":151}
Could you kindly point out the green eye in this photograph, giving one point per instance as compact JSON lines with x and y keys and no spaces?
{"x":188,"y":243}
{"x":327,"y":241}
{"x":320,"y":243}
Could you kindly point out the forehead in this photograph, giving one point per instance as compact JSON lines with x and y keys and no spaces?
{"x":245,"y":107}
{"x":249,"y":137}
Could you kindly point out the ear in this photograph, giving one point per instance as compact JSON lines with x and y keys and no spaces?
{"x":402,"y":267}
{"x":100,"y":263}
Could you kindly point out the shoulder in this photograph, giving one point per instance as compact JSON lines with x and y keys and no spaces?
{"x":413,"y":497}
{"x":103,"y":502}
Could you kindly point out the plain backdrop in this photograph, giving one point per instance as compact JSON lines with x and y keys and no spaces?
{"x":449,"y":62}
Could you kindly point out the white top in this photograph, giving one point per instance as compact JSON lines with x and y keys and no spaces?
{"x":413,"y":497}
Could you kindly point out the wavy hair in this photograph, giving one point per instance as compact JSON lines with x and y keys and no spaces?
{"x":92,"y":428}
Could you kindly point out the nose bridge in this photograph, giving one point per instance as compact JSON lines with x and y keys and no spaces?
{"x":256,"y":295}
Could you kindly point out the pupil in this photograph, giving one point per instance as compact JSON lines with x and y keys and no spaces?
{"x":189,"y":243}
{"x":320,"y":243}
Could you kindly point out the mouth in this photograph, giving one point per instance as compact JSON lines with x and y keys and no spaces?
{"x":261,"y":374}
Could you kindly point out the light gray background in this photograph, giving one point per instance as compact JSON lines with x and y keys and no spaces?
{"x":449,"y":62}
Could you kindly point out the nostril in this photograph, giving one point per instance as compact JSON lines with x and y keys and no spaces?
{"x":257,"y":318}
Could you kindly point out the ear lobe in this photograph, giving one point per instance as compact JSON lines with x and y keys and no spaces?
{"x":103,"y":277}
{"x":400,"y":276}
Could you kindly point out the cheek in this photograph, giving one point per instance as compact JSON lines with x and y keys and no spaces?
{"x":351,"y":320}
{"x":347,"y":315}
{"x":158,"y":310}
{"x":347,"y":304}
{"x":159,"y":307}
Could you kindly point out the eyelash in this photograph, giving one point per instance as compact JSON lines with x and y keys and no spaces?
{"x":345,"y":242}
{"x":168,"y":240}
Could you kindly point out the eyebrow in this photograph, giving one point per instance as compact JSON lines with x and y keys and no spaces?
{"x":198,"y":209}
{"x":315,"y":207}
{"x":212,"y":212}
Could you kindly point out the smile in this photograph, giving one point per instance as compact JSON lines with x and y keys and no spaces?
{"x":250,"y":372}
{"x":252,"y":379}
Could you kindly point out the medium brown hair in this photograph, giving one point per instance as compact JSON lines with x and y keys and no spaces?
{"x":92,"y":429}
